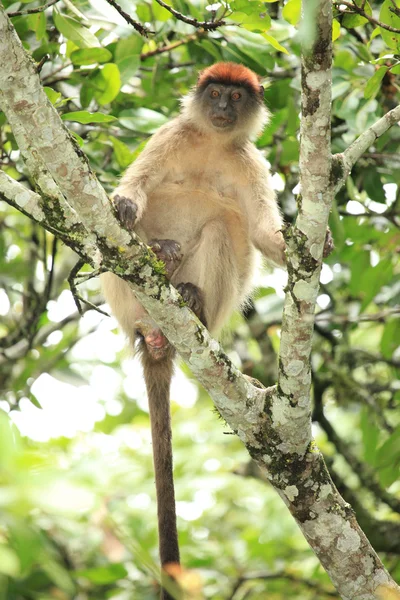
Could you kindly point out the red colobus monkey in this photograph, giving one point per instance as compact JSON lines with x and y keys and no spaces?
{"x":200,"y":195}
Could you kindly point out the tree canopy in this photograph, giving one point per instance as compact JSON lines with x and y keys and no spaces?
{"x":78,"y":511}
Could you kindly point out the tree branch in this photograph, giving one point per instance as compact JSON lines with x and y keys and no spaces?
{"x":344,"y":162}
{"x":275,"y":427}
{"x":170,"y":47}
{"x":135,"y":24}
{"x":359,"y":10}
{"x":206,"y":25}
{"x":32,"y":11}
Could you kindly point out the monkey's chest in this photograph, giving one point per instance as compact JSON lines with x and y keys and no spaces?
{"x":181,"y":205}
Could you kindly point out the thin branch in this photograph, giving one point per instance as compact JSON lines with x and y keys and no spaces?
{"x":170,"y":47}
{"x":343,"y":319}
{"x":76,"y":296}
{"x":364,"y":473}
{"x":135,"y":24}
{"x":354,"y":8}
{"x":206,"y":25}
{"x":32,"y":11}
{"x":311,"y":585}
{"x":344,"y":162}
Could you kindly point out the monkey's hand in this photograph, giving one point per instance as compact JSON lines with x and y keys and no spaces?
{"x":126,"y":211}
{"x":169,"y":252}
{"x":329,"y":243}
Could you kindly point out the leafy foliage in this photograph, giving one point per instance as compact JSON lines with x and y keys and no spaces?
{"x":77,"y":498}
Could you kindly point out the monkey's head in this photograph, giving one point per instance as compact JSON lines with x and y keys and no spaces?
{"x":228,"y":99}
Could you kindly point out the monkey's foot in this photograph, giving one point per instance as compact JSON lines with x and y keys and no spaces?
{"x":155,"y":341}
{"x":126,"y":211}
{"x":169,"y":252}
{"x":193,"y":296}
{"x":329,"y":243}
{"x":157,"y":344}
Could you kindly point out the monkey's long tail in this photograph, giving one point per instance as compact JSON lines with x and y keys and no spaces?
{"x":158,"y":374}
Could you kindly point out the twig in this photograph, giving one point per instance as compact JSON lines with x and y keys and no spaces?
{"x":43,"y":60}
{"x":271,"y":576}
{"x":206,"y":25}
{"x":360,"y":11}
{"x":342,"y":319}
{"x":381,"y":156}
{"x":138,"y":26}
{"x":77,"y":297}
{"x":394,"y":9}
{"x":343,"y":163}
{"x":169,"y":47}
{"x":32,"y":11}
{"x":364,"y":473}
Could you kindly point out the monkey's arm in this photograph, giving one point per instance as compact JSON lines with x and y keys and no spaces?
{"x":143,"y":175}
{"x":264,"y":217}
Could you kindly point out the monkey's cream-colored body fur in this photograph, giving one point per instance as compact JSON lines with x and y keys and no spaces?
{"x":210,"y":192}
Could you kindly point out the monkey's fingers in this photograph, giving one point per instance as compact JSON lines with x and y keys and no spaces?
{"x":126,"y":211}
{"x":166,"y":250}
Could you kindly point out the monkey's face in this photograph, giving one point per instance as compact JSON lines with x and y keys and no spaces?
{"x":227,"y":106}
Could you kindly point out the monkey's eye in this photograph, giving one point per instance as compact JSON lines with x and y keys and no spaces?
{"x":214,"y":94}
{"x":236,"y":96}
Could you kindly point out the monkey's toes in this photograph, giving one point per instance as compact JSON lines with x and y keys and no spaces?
{"x":193,"y":296}
{"x":126,"y":211}
{"x":329,"y":243}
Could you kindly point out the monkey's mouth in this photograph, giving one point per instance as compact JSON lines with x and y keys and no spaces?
{"x":221,"y":121}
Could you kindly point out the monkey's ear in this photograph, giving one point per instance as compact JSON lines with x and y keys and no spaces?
{"x":262,"y":91}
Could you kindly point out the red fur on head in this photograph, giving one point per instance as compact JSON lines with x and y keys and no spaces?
{"x":230,"y":73}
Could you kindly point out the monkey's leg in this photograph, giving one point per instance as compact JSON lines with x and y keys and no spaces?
{"x":211,"y":266}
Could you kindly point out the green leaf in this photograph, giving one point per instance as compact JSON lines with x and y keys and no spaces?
{"x":389,"y":18}
{"x":370,"y":436}
{"x":104,"y":575}
{"x":335,"y":29}
{"x":352,"y":21}
{"x":374,"y":83}
{"x":391,"y":338}
{"x":86,"y":94}
{"x":388,"y":459}
{"x":83,"y":116}
{"x":251,"y":44}
{"x":292,"y":11}
{"x":9,"y":563}
{"x":143,"y":120}
{"x":74,"y":31}
{"x":37,"y":23}
{"x":107,"y":84}
{"x":160,"y":13}
{"x":123,"y":154}
{"x":395,"y":70}
{"x":52,"y":95}
{"x":128,"y":67}
{"x":129,"y":46}
{"x":274,"y":43}
{"x":253,"y":21}
{"x":90,"y":56}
